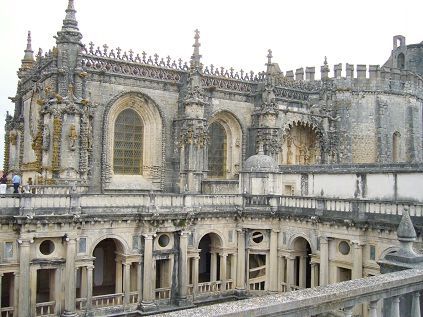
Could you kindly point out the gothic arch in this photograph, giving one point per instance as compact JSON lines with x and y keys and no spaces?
{"x":151,"y":116}
{"x":234,"y":141}
{"x":302,"y":143}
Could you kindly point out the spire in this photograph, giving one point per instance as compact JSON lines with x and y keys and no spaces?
{"x":70,"y":23}
{"x":269,"y":62}
{"x":196,"y":57}
{"x":69,"y":32}
{"x":29,"y":53}
{"x":28,"y":60}
{"x":324,"y":70}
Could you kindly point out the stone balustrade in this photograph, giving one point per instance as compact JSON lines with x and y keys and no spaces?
{"x":75,"y":202}
{"x":309,"y":302}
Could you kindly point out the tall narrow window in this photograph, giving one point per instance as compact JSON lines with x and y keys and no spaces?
{"x":396,"y":141}
{"x":128,"y":142}
{"x":401,"y":61}
{"x":217,"y":150}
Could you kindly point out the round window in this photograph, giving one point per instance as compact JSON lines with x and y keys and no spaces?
{"x":257,"y":236}
{"x":47,"y":247}
{"x":344,"y":247}
{"x":164,"y":240}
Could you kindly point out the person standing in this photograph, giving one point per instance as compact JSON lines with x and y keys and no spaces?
{"x":3,"y":184}
{"x":16,"y":180}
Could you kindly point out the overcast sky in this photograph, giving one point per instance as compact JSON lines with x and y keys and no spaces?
{"x":234,"y":33}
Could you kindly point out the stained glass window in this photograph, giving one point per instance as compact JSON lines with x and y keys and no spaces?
{"x":217,"y":150}
{"x":128,"y":143}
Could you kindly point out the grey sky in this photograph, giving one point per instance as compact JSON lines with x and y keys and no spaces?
{"x":233,"y":33}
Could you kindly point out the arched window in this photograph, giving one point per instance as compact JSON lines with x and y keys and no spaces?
{"x":401,"y":61}
{"x":128,"y":143}
{"x":396,"y":141}
{"x":217,"y":150}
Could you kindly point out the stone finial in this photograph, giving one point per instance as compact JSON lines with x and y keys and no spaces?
{"x":28,"y":60}
{"x":260,"y":149}
{"x":70,"y":20}
{"x":29,"y":53}
{"x":196,"y":57}
{"x":405,"y":231}
{"x":324,"y":70}
{"x":269,"y":57}
{"x":69,"y":32}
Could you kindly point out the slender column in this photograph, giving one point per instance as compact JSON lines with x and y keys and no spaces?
{"x":395,"y":309}
{"x":139,"y":281}
{"x":348,"y":311}
{"x":273,"y":261}
{"x":290,"y":269}
{"x":126,"y":282}
{"x":313,"y":274}
{"x":415,"y":305}
{"x":147,"y":295}
{"x":183,"y":265}
{"x":89,"y":286}
{"x":83,"y":282}
{"x":223,"y":262}
{"x":24,"y":280}
{"x":324,"y":261}
{"x":15,"y":292}
{"x":233,"y":269}
{"x":195,"y":275}
{"x":118,"y":278}
{"x":240,"y":271}
{"x":357,"y":271}
{"x":373,"y":308}
{"x":213,"y":266}
{"x":302,"y":274}
{"x":281,"y":272}
{"x":1,"y":280}
{"x":70,"y":285}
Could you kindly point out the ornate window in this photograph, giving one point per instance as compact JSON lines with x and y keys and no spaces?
{"x":217,"y":150}
{"x":128,"y":143}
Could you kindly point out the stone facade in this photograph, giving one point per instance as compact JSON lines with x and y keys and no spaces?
{"x":215,"y":184}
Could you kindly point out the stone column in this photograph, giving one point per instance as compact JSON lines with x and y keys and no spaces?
{"x":70,"y":285}
{"x":195,"y":275}
{"x":24,"y":280}
{"x":89,"y":286}
{"x":118,"y":278}
{"x":213,"y":266}
{"x":290,"y":271}
{"x":139,"y":281}
{"x":240,"y":271}
{"x":147,"y":294}
{"x":233,"y":269}
{"x":183,"y":267}
{"x":223,"y":262}
{"x":373,"y":308}
{"x":273,"y":261}
{"x":33,"y":290}
{"x":126,"y":282}
{"x":357,"y":271}
{"x":281,"y":272}
{"x":313,"y":274}
{"x":324,"y":261}
{"x":415,"y":305}
{"x":302,"y":275}
{"x":16,"y":293}
{"x":395,"y":309}
{"x":1,"y":280}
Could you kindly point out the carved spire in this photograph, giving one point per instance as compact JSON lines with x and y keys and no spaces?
{"x":196,"y":57}
{"x":69,"y":32}
{"x":324,"y":70}
{"x":28,"y":60}
{"x":29,"y":53}
{"x":269,"y":62}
